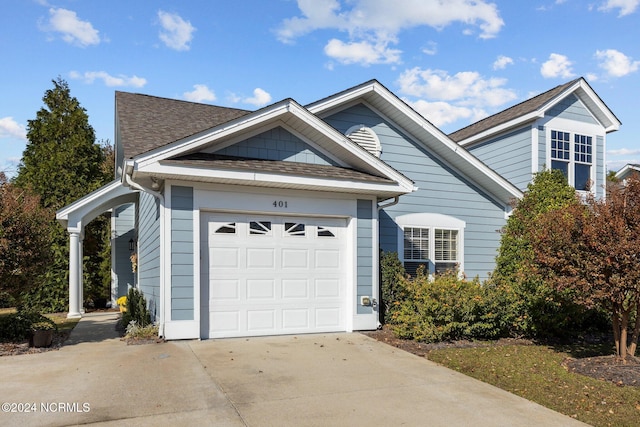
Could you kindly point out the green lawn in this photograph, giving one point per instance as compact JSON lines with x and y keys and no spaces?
{"x":535,"y":373}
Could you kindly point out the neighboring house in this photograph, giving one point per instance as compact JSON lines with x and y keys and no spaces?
{"x":272,"y":221}
{"x":628,"y":171}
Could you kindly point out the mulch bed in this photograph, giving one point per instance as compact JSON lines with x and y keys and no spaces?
{"x":605,"y":368}
{"x":16,"y":348}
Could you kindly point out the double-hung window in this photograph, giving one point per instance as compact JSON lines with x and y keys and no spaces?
{"x":572,"y":154}
{"x":435,"y":248}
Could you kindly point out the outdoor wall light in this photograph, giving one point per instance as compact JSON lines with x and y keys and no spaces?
{"x":132,"y":245}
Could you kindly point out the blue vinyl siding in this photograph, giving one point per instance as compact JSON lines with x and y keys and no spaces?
{"x":572,"y":109}
{"x":441,"y":190}
{"x":149,"y":252}
{"x":364,"y":253}
{"x":124,"y":231}
{"x":277,"y":144}
{"x":182,"y":279}
{"x":509,"y":155}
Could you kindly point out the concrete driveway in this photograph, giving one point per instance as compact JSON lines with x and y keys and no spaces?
{"x":309,"y":380}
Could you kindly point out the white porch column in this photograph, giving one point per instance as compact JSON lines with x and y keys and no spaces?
{"x":80,"y":273}
{"x":75,"y":266}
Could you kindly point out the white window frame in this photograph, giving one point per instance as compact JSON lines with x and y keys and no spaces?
{"x":432,"y":222}
{"x":572,"y":162}
{"x":573,"y":128}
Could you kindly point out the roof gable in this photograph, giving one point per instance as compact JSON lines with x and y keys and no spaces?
{"x":378,"y":98}
{"x":535,"y":108}
{"x":286,"y":114}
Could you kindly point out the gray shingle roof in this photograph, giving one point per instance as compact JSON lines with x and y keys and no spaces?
{"x":216,"y":161}
{"x":146,"y":122}
{"x":511,"y":113}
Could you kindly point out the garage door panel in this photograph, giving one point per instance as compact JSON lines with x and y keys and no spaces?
{"x":261,"y":320}
{"x":224,"y":257}
{"x":327,"y":258}
{"x":224,"y":321}
{"x":273,"y":275}
{"x":295,"y":318}
{"x":327,"y":288}
{"x":328,"y":317}
{"x":295,"y":258}
{"x":260,"y":258}
{"x":261,"y":289}
{"x":224,"y":289}
{"x":295,"y":288}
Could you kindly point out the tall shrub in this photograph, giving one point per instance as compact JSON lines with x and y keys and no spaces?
{"x":391,"y":274}
{"x":536,"y":307}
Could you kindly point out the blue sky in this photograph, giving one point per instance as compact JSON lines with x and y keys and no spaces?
{"x":454,"y":62}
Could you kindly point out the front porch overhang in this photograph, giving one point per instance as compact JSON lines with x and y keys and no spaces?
{"x":75,"y":217}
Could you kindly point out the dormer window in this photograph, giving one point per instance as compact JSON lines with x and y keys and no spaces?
{"x":366,"y":138}
{"x":573,"y":159}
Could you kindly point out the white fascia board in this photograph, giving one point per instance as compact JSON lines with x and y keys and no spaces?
{"x":512,"y":124}
{"x":627,"y":169}
{"x":271,"y":179}
{"x":602,"y":107}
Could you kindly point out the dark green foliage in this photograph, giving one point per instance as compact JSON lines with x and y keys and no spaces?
{"x":391,"y":272}
{"x":19,"y":326}
{"x":535,"y":308}
{"x":61,"y":163}
{"x":136,"y":309}
{"x":447,"y":308}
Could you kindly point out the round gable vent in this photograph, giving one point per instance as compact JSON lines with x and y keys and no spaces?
{"x":366,"y":138}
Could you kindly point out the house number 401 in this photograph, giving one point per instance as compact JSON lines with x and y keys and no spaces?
{"x":280,"y":204}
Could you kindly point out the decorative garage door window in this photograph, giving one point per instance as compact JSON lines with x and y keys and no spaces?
{"x":260,"y":227}
{"x":229,"y":228}
{"x":326,"y":232}
{"x":294,"y":229}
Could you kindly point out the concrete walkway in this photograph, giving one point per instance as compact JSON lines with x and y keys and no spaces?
{"x":307,"y":380}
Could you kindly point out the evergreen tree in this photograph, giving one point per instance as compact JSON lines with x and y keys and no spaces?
{"x":61,"y":163}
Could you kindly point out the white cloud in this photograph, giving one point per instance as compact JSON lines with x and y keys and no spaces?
{"x":430,"y":49}
{"x":375,"y":24}
{"x":440,"y":113}
{"x":363,"y":53}
{"x":501,"y":62}
{"x":557,"y":66}
{"x":111,"y":81}
{"x":444,"y":98}
{"x":200,"y":93}
{"x":73,"y":30}
{"x":626,"y":7}
{"x":466,"y":88}
{"x":9,"y":128}
{"x":260,"y":98}
{"x":623,"y":152}
{"x":176,"y":33}
{"x":616,"y":63}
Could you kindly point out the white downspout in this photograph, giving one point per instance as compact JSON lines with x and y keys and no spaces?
{"x":160,"y":197}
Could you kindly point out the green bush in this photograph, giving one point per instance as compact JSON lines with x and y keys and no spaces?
{"x":447,"y":308}
{"x":19,"y":326}
{"x":391,"y":273}
{"x":136,"y":309}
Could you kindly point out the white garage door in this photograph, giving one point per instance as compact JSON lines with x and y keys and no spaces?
{"x":275,"y":275}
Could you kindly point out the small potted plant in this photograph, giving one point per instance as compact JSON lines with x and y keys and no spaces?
{"x":42,"y":333}
{"x":122,"y":303}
